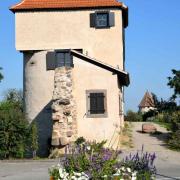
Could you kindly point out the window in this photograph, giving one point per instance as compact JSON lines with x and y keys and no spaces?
{"x":102,"y":19}
{"x":60,"y":58}
{"x":63,"y":58}
{"x":96,"y":103}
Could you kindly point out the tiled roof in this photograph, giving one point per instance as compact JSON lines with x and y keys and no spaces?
{"x":26,"y":5}
{"x":64,"y":4}
{"x":147,"y":100}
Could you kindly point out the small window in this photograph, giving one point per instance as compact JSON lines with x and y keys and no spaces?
{"x":64,"y":58}
{"x":102,"y":20}
{"x":96,"y":103}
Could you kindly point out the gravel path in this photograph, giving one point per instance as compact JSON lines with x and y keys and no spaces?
{"x":168,"y":161}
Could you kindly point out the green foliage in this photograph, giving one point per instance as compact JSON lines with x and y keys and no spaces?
{"x":54,"y":172}
{"x":149,"y":114}
{"x":163,"y":105}
{"x":91,"y":158}
{"x":13,"y":130}
{"x":133,"y":116}
{"x":174,"y":141}
{"x":15,"y":96}
{"x":174,"y":83}
{"x":1,"y":76}
{"x":80,"y":140}
{"x":33,"y":139}
{"x":16,"y":136}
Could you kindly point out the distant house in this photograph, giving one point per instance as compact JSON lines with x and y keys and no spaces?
{"x":147,"y":103}
{"x":74,"y":67}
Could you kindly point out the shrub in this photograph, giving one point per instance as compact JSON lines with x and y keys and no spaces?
{"x":13,"y":130}
{"x":174,"y":141}
{"x":16,"y":135}
{"x":133,"y":116}
{"x":149,"y":114}
{"x":175,"y":121}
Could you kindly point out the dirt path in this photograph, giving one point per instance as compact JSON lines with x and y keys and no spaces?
{"x":168,"y":161}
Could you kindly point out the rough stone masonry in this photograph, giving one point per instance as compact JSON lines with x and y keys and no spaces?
{"x":64,"y":108}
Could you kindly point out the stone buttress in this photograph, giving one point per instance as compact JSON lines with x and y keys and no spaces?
{"x":64,"y":108}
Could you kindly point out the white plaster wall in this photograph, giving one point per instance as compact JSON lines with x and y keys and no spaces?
{"x":38,"y":83}
{"x":146,"y":109}
{"x":89,"y":77}
{"x":70,"y":29}
{"x":38,"y":91}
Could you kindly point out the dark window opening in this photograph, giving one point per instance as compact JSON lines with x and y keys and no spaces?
{"x":64,"y":59}
{"x":102,"y":20}
{"x":97,"y":103}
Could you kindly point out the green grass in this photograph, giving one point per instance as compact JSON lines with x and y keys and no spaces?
{"x":163,"y":124}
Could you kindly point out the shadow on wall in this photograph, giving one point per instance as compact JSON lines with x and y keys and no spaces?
{"x":44,"y":124}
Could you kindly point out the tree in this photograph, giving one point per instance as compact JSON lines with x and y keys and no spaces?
{"x":174,"y":83}
{"x":1,"y":76}
{"x":15,"y":96}
{"x":163,"y":105}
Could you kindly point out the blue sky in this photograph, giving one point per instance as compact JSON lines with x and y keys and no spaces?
{"x":152,"y":48}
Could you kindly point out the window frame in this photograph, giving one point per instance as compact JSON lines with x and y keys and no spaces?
{"x":65,"y":65}
{"x":88,"y":114}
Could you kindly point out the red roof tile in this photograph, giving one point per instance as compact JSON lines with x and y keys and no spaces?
{"x":64,"y":4}
{"x":147,"y":100}
{"x":26,"y":5}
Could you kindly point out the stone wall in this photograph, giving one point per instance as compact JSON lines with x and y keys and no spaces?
{"x":64,"y":108}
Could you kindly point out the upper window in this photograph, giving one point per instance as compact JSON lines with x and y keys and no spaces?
{"x":59,"y":58}
{"x":63,"y":58}
{"x":102,"y":19}
{"x":96,"y":103}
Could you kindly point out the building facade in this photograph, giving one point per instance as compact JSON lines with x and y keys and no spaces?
{"x":73,"y":62}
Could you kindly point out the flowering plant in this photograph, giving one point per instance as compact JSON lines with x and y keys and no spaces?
{"x":142,"y":163}
{"x":85,"y":160}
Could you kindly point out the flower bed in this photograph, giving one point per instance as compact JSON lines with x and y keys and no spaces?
{"x":84,"y":161}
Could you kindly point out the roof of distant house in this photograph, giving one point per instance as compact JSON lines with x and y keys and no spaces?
{"x":147,"y":101}
{"x":25,"y":5}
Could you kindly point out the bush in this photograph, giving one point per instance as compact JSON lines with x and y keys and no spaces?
{"x":174,"y":141}
{"x":133,"y":116}
{"x":16,"y":135}
{"x":13,"y":130}
{"x":150,"y":114}
{"x":175,"y":121}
